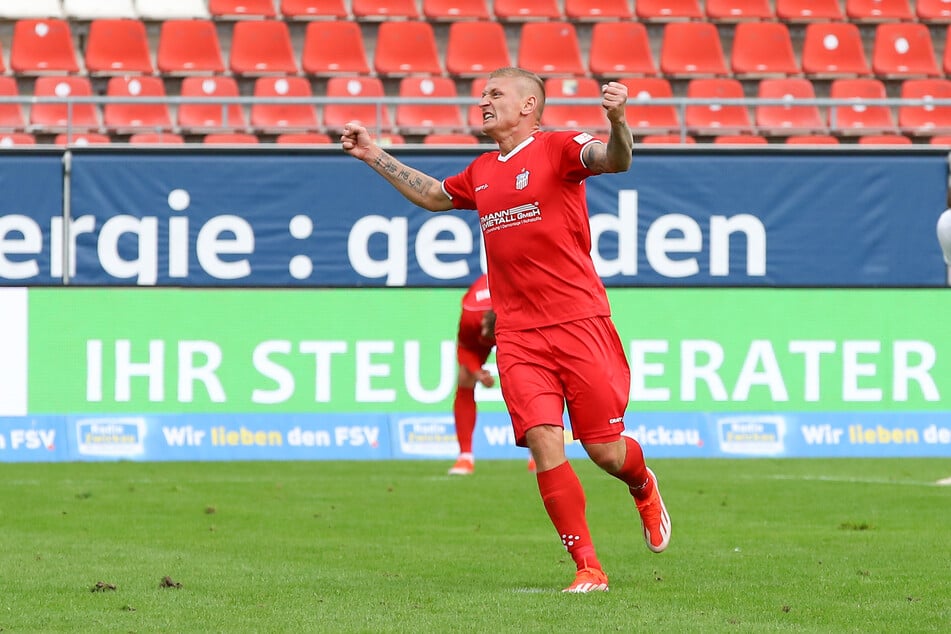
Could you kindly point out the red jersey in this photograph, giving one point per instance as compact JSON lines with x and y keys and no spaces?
{"x":477,"y":297}
{"x":534,"y":218}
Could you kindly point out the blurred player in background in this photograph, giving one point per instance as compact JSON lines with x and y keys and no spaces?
{"x":556,"y":342}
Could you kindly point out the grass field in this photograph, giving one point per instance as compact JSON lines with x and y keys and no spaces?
{"x":758,"y":546}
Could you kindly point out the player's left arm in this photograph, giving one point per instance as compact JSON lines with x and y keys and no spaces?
{"x":615,"y":155}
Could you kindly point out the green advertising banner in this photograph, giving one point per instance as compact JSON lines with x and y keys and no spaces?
{"x":155,"y":351}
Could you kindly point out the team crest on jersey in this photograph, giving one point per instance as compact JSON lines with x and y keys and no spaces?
{"x":521,"y":180}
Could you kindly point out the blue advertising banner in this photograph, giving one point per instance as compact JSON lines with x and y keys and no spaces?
{"x":691,"y":219}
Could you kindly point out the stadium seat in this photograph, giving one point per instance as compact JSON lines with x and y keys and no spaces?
{"x":314,"y":9}
{"x":11,"y":114}
{"x":406,"y":48}
{"x":475,"y":113}
{"x":884,"y":139}
{"x":521,"y":10}
{"x":812,"y":139}
{"x":475,"y":48}
{"x":31,"y":9}
{"x":374,"y":116}
{"x":241,"y":9}
{"x":127,"y":116}
{"x":262,"y":47}
{"x":927,"y":119}
{"x":171,"y":9}
{"x":692,"y":49}
{"x":809,"y":10}
{"x":118,"y":47}
{"x":452,"y":10}
{"x":716,"y":118}
{"x":878,"y":10}
{"x":3,"y":66}
{"x":783,"y":120}
{"x":334,"y":47}
{"x":42,"y":46}
{"x":946,"y":61}
{"x":938,"y":11}
{"x":93,"y":9}
{"x":763,"y":49}
{"x":739,"y":10}
{"x":585,"y":10}
{"x":388,"y":139}
{"x":460,"y":138}
{"x":941,"y":139}
{"x":231,"y":138}
{"x":650,"y":119}
{"x":667,"y":139}
{"x":903,"y":50}
{"x":8,"y":139}
{"x":188,"y":47}
{"x":156,"y":138}
{"x":277,"y":117}
{"x":303,"y":138}
{"x":740,"y":139}
{"x":620,"y":49}
{"x":833,"y":49}
{"x":860,"y":118}
{"x":82,"y":138}
{"x":210,"y":117}
{"x":423,"y":118}
{"x":550,"y":49}
{"x":385,"y":9}
{"x":59,"y":116}
{"x":668,"y":10}
{"x":589,"y":118}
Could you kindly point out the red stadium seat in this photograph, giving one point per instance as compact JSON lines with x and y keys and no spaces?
{"x":262,"y":47}
{"x":788,"y":119}
{"x":59,"y":116}
{"x":860,"y":118}
{"x":8,"y":139}
{"x":650,"y":119}
{"x":808,"y":10}
{"x":189,"y":46}
{"x":240,"y":9}
{"x":303,"y":138}
{"x":550,"y":49}
{"x":385,"y":9}
{"x":927,"y":119}
{"x":475,"y":113}
{"x":940,"y":140}
{"x":451,"y":139}
{"x":739,"y":10}
{"x":933,"y":11}
{"x":740,"y":139}
{"x":668,"y":10}
{"x":584,"y":10}
{"x":314,"y":9}
{"x":475,"y":48}
{"x":278,"y":117}
{"x":11,"y":114}
{"x":716,"y":118}
{"x":763,"y":49}
{"x":519,"y":10}
{"x":423,"y":118}
{"x":210,"y":117}
{"x":127,"y":116}
{"x":452,"y":10}
{"x":156,"y":138}
{"x":692,"y":49}
{"x":903,"y":50}
{"x":667,"y":139}
{"x":82,"y":138}
{"x":620,"y":49}
{"x":387,"y":139}
{"x":406,"y":48}
{"x":231,"y":138}
{"x":117,"y":47}
{"x":589,"y":118}
{"x":812,"y":139}
{"x":834,"y":49}
{"x":334,"y":47}
{"x":43,"y":46}
{"x":884,"y":139}
{"x":878,"y":10}
{"x":375,"y":117}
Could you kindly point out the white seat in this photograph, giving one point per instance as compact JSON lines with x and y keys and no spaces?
{"x":171,"y":9}
{"x":31,"y":9}
{"x":93,"y":9}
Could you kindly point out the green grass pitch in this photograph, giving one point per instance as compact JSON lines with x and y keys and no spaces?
{"x":842,"y":545}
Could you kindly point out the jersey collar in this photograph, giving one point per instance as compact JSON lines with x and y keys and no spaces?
{"x":515,"y":150}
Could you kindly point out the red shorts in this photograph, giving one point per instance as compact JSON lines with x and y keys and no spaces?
{"x":580,"y":363}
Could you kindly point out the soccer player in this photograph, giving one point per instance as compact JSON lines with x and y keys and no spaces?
{"x":556,"y":342}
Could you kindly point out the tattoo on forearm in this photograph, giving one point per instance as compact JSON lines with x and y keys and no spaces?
{"x":392,"y":169}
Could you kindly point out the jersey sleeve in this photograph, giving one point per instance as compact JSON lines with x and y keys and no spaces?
{"x":460,"y":190}
{"x":568,"y":146}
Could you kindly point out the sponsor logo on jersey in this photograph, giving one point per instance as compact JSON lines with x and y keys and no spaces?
{"x":481,"y":187}
{"x":582,"y":138}
{"x":513,"y":217}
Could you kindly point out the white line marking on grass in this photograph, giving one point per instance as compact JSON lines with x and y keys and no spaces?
{"x":944,"y":482}
{"x":853,"y":480}
{"x":532,"y":590}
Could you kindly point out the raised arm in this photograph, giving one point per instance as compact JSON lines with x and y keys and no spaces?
{"x":615,"y":156}
{"x":419,"y":188}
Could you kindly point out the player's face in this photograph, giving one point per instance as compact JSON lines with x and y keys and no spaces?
{"x":502,"y":104}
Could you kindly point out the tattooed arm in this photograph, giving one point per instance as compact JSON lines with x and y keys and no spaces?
{"x":419,"y":188}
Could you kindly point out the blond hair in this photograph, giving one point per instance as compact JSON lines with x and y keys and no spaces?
{"x":530,"y":83}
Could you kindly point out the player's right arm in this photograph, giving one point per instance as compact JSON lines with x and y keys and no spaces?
{"x":419,"y":188}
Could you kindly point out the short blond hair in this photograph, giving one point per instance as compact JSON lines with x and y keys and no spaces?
{"x":531,"y":82}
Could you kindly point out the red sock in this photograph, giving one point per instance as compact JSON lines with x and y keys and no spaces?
{"x":634,"y":471}
{"x":464,"y":409}
{"x":564,"y":500}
